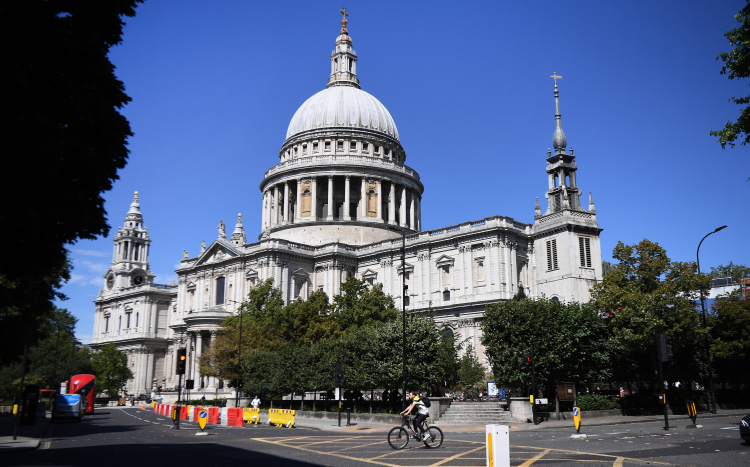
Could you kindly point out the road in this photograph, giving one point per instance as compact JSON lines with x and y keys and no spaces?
{"x":134,"y":437}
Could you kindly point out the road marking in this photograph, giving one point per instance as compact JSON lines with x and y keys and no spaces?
{"x":618,"y":462}
{"x":536,"y":458}
{"x":729,"y":428}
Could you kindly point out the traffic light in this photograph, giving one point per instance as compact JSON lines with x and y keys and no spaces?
{"x":181,"y":360}
{"x":664,"y":347}
{"x":338,"y":376}
{"x":189,"y":384}
{"x":525,"y":363}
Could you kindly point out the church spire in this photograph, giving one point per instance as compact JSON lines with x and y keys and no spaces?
{"x":343,"y":59}
{"x":558,"y":139}
{"x":134,"y":217}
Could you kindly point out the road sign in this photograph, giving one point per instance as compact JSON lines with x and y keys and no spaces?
{"x":577,"y":418}
{"x":202,"y":418}
{"x":492,"y":389}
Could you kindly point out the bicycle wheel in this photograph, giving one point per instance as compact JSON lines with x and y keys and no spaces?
{"x":398,"y":438}
{"x":434,"y":437}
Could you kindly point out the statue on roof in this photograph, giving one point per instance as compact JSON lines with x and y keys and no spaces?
{"x":222,"y":230}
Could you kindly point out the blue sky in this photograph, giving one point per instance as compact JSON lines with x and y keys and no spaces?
{"x":214,"y":85}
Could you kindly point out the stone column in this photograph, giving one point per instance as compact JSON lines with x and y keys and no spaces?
{"x":392,"y":205}
{"x":412,"y":224}
{"x":347,"y":183}
{"x":286,"y":203}
{"x":149,"y":367}
{"x":198,"y":352}
{"x":298,"y":211}
{"x":379,"y":216}
{"x":402,"y":207}
{"x":263,"y":217}
{"x":314,"y":201}
{"x":330,"y":198}
{"x":275,"y":208}
{"x":363,"y":200}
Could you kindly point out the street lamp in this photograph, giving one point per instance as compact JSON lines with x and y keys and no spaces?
{"x":239,"y":358}
{"x":705,"y":326}
{"x":404,"y":288}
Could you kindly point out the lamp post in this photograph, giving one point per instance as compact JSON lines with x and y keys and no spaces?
{"x":239,"y":359}
{"x":404,"y":289}
{"x":705,"y":325}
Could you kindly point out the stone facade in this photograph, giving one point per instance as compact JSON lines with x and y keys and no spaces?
{"x":341,"y":202}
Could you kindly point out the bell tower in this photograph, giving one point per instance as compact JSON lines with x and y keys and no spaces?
{"x":130,"y":266}
{"x":343,"y":59}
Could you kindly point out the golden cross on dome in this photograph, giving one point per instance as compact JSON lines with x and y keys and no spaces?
{"x":135,"y":199}
{"x":555,"y":77}
{"x":344,"y":21}
{"x":343,"y":12}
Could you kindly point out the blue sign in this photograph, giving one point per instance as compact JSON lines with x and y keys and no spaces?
{"x":575,"y":411}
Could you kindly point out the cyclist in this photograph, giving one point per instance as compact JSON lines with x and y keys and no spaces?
{"x":423,"y":411}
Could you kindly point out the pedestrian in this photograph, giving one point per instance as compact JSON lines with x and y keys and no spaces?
{"x":203,"y":400}
{"x":255,"y":402}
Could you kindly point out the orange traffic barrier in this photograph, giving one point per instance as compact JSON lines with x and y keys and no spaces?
{"x":196,"y":411}
{"x":213,"y":415}
{"x":234,"y":417}
{"x":184,"y":413}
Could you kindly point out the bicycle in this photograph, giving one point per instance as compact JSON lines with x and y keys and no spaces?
{"x":399,"y":436}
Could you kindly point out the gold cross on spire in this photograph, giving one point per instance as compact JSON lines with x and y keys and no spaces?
{"x":343,"y":20}
{"x":555,"y":77}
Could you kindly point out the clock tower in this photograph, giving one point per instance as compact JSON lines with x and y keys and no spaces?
{"x":130,"y":255}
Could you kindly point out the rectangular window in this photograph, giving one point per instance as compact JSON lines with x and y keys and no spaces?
{"x":584,"y":247}
{"x":125,"y":250}
{"x":480,"y":270}
{"x":551,"y":255}
{"x":353,"y":146}
{"x":340,"y":145}
{"x":304,"y":148}
{"x":220,"y":291}
{"x":127,"y":321}
{"x":106,"y":324}
{"x":328,"y":145}
{"x":445,"y":271}
{"x":315,"y":146}
{"x":136,"y":320}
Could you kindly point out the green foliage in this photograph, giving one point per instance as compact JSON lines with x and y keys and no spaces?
{"x":606,"y":267}
{"x":643,"y":292}
{"x":359,"y":305}
{"x":730,"y":270}
{"x":730,"y":329}
{"x":64,"y":140}
{"x":448,"y":361}
{"x":470,"y":371}
{"x":112,"y":372}
{"x":571,"y":342}
{"x":737,"y":65}
{"x":520,"y":295}
{"x":597,"y":402}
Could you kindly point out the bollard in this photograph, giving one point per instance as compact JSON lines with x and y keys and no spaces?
{"x":348,"y":416}
{"x":692,"y":413}
{"x":498,"y":445}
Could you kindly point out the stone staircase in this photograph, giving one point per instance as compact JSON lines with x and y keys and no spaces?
{"x":474,"y":413}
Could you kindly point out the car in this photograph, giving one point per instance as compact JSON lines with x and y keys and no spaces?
{"x":745,"y":429}
{"x":68,"y":406}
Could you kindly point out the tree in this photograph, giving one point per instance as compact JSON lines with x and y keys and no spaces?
{"x":111,"y":366}
{"x":730,"y":330}
{"x":644,"y":292}
{"x":360,"y":305}
{"x":730,"y":270}
{"x":737,"y":65}
{"x":64,"y":140}
{"x":606,"y":267}
{"x":470,"y":371}
{"x":571,"y":342}
{"x":448,"y":361}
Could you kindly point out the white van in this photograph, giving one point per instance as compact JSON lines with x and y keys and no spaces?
{"x":67,"y":406}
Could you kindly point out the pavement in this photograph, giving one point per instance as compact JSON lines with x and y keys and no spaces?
{"x":29,"y":437}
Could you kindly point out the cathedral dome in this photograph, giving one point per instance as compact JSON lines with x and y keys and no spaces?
{"x":342,"y":107}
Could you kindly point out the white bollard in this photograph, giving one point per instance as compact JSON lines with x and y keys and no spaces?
{"x":498,"y":445}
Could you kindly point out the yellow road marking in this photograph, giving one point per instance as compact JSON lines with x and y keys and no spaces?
{"x":536,"y":458}
{"x":456,"y":456}
{"x":618,"y":462}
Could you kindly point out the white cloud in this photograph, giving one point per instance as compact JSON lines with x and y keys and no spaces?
{"x":165,"y":278}
{"x":97,"y":281}
{"x":84,"y":338}
{"x":99,"y":254}
{"x":92,"y":266}
{"x":76,"y":278}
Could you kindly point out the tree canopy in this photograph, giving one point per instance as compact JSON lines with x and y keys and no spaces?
{"x":731,"y":269}
{"x":646,"y":291}
{"x":730,"y":330}
{"x":111,"y":369}
{"x":64,"y":140}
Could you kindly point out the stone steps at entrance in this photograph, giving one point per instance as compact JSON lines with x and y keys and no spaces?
{"x":463,"y":413}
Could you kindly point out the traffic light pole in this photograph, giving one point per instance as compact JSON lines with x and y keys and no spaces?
{"x":659,"y":358}
{"x":179,"y":405}
{"x":20,"y":398}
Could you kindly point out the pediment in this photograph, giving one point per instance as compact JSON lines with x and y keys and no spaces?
{"x":251,"y":273}
{"x":444,"y":260}
{"x":191,"y":285}
{"x":300,"y":274}
{"x":409,"y":268}
{"x":369,"y":274}
{"x":219,"y":251}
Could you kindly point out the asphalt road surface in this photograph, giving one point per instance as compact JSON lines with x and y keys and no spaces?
{"x":134,"y":437}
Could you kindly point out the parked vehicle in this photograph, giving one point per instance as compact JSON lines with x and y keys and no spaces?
{"x":67,"y":406}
